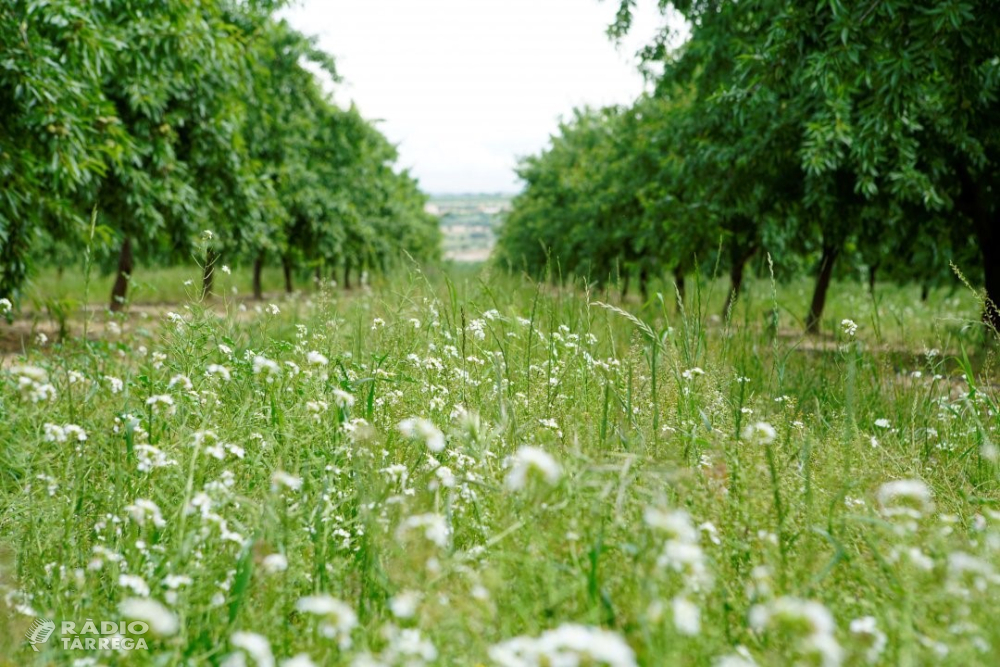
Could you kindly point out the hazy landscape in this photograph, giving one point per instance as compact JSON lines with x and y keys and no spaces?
{"x":469,"y":224}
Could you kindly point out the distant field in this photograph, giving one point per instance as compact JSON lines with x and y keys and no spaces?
{"x":470,"y":224}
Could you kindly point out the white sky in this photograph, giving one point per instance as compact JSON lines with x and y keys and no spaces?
{"x":465,"y":87}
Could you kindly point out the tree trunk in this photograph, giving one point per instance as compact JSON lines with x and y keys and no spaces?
{"x":644,"y":283}
{"x":925,"y":292}
{"x":830,"y":254}
{"x":208,"y":275}
{"x":989,"y":245}
{"x":973,"y":202}
{"x":735,"y":284}
{"x":347,"y":274}
{"x":258,"y":268}
{"x":626,"y":280}
{"x":736,"y":280}
{"x":872,"y":274}
{"x":319,"y":275}
{"x":286,"y":266}
{"x":126,"y":263}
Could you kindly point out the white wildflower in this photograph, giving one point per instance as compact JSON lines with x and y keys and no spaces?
{"x":676,"y":524}
{"x":264,"y":366}
{"x":445,"y":477}
{"x":33,"y":383}
{"x":280,"y":478}
{"x":681,"y":552}
{"x":32,"y":373}
{"x":404,"y":604}
{"x":569,"y":644}
{"x":74,"y":432}
{"x":423,"y":429}
{"x":434,"y":527}
{"x":181,"y":380}
{"x":143,"y":509}
{"x":161,"y":620}
{"x":528,"y":459}
{"x":221,"y":371}
{"x":343,"y":399}
{"x":275,"y":563}
{"x":317,"y":407}
{"x":175,"y":581}
{"x":873,"y":640}
{"x":905,"y":497}
{"x":255,"y":645}
{"x":760,"y":432}
{"x":338,"y":618}
{"x":135,"y":583}
{"x":687,"y":617}
{"x":808,"y":621}
{"x":54,"y":433}
{"x":162,"y":401}
{"x":42,"y":392}
{"x":317,"y":359}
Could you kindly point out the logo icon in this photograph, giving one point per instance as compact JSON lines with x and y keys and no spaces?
{"x":39,"y":632}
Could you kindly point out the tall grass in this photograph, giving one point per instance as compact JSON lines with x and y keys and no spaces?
{"x":479,"y":470}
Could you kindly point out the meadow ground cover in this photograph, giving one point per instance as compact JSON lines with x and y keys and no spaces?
{"x":498,"y":473}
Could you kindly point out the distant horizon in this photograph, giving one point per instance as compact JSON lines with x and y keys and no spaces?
{"x":485,"y":193}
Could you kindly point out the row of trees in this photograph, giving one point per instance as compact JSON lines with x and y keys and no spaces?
{"x":169,"y":118}
{"x":819,"y":131}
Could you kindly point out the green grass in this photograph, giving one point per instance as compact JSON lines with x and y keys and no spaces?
{"x":895,"y":316}
{"x":668,"y":526}
{"x":150,"y":285}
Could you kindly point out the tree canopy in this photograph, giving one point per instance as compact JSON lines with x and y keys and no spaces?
{"x":171,"y":118}
{"x":819,"y":131}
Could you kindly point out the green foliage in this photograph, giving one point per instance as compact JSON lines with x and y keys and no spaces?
{"x":818,"y":132}
{"x":176,"y":117}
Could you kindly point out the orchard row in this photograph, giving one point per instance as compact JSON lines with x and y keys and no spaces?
{"x":827,"y":136}
{"x":157,"y":131}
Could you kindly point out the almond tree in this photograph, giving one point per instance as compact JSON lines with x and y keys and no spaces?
{"x":58,"y":132}
{"x":888,"y":104}
{"x":193,"y":130}
{"x":129,"y":108}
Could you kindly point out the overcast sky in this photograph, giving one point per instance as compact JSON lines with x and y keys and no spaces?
{"x":464,"y":87}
